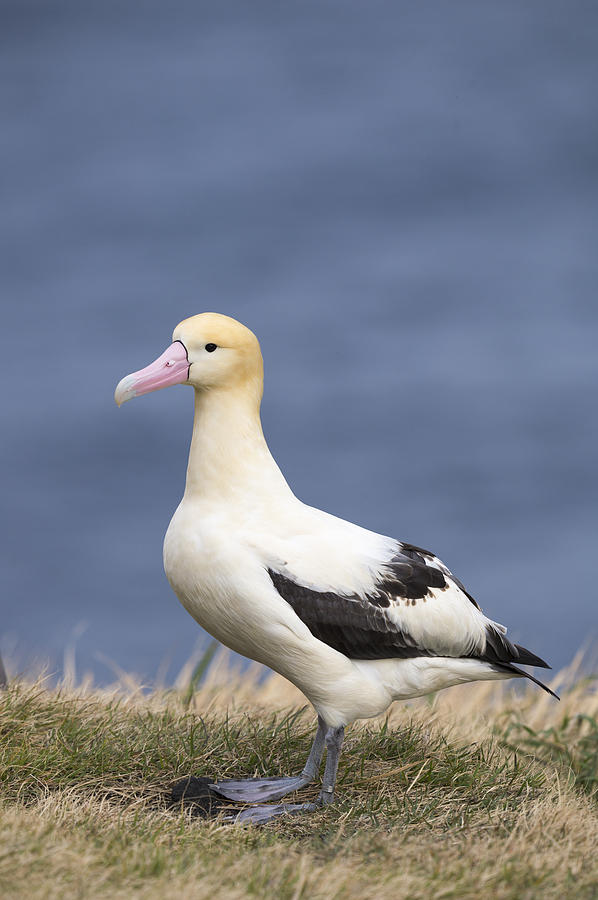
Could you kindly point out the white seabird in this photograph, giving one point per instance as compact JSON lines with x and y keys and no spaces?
{"x":354,"y":619}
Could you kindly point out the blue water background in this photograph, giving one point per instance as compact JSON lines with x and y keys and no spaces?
{"x":400,"y":199}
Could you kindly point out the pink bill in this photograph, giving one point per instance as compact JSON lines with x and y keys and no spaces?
{"x":170,"y":368}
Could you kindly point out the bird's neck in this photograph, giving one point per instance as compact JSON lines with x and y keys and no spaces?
{"x":229,"y":455}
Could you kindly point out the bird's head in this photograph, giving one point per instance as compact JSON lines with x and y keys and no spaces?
{"x":209,"y":351}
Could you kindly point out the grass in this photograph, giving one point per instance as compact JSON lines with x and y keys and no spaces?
{"x":479,"y":790}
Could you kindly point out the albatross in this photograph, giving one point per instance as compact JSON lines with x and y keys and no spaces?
{"x":354,"y":619}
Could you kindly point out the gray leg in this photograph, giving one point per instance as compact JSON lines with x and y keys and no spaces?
{"x":334,"y":743}
{"x":314,"y":760}
{"x":255,"y":790}
{"x":258,"y":815}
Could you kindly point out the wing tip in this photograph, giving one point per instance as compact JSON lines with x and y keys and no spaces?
{"x":500,"y":649}
{"x":527,"y":658}
{"x":520,"y":673}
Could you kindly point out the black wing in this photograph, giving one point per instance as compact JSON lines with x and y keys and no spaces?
{"x":359,"y":627}
{"x":353,"y":625}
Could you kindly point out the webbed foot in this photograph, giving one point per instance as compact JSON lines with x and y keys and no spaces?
{"x":259,"y":815}
{"x":256,"y":790}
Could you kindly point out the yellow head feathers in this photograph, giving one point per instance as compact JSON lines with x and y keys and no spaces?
{"x":222,"y":353}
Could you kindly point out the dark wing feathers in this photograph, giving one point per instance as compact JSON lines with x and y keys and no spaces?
{"x":515,"y":670}
{"x":352,"y":625}
{"x":359,"y":627}
{"x":499,"y":649}
{"x":428,"y":559}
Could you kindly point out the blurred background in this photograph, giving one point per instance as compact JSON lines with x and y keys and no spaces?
{"x":400,"y":199}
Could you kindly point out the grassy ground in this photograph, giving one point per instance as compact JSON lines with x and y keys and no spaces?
{"x":481,"y":790}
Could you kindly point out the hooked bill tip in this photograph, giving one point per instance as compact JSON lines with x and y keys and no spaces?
{"x":124,"y":390}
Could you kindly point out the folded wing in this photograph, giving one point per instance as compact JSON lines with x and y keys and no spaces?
{"x":416,"y":608}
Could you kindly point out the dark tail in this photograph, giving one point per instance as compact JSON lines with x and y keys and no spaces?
{"x":503,"y":655}
{"x":499,"y":649}
{"x":509,"y":667}
{"x":527,"y":658}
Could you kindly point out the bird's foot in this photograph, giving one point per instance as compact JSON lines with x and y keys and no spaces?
{"x":259,"y":815}
{"x":255,"y":790}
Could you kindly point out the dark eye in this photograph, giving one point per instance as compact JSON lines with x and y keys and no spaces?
{"x":211,"y":347}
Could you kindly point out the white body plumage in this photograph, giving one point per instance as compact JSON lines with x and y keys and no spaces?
{"x":217,"y":562}
{"x":354,"y":619}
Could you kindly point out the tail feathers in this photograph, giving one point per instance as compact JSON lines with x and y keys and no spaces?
{"x":527,"y":658}
{"x":502,"y":655}
{"x":499,"y":649}
{"x":509,"y":667}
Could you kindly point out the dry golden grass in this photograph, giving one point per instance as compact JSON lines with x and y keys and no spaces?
{"x":480,"y":790}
